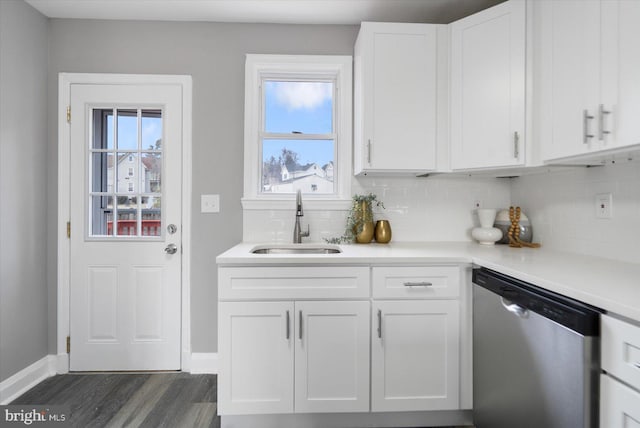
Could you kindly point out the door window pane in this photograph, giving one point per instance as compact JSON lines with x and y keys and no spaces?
{"x":126,"y":162}
{"x":152,"y":176}
{"x":127,"y":129}
{"x":125,"y":173}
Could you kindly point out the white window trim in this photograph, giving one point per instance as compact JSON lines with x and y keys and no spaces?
{"x":258,"y":65}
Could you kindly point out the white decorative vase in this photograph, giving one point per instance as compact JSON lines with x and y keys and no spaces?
{"x":486,"y":234}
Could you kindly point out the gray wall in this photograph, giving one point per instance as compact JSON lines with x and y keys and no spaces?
{"x":23,"y":186}
{"x":213,"y":54}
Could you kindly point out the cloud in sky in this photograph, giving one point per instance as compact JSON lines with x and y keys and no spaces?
{"x":302,"y":95}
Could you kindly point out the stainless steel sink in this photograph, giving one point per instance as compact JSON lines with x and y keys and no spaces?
{"x":296,"y":249}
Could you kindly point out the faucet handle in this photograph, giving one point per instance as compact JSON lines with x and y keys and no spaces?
{"x":305,"y":234}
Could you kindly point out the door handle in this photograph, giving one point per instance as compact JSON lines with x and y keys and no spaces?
{"x":300,"y":329}
{"x":516,"y":145}
{"x":171,"y":249}
{"x":379,"y":323}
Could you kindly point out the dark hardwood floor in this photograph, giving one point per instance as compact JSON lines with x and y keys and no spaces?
{"x":151,"y":400}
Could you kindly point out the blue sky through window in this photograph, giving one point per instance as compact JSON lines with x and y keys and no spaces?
{"x":299,"y":106}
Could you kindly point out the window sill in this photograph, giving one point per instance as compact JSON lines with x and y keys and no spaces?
{"x":288,"y":204}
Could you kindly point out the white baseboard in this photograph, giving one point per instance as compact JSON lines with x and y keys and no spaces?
{"x":16,"y":385}
{"x":204,"y":363}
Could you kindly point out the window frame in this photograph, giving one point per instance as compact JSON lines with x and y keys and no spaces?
{"x":259,"y":67}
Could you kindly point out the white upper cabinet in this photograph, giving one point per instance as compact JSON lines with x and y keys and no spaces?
{"x":399,"y":80}
{"x":488,"y":88}
{"x":590,"y":77}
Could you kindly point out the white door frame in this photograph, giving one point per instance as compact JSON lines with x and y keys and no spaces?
{"x":65,"y":80}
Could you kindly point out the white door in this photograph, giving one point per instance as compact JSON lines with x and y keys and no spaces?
{"x":488,"y":88}
{"x":125,"y":187}
{"x":256,"y":358}
{"x":332,"y":357}
{"x":415,"y":363}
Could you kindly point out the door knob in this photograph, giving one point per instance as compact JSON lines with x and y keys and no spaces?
{"x":171,"y":249}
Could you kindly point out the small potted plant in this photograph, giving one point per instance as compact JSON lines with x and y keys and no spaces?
{"x":360,"y":225}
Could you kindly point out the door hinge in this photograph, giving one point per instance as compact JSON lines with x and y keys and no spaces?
{"x":68,"y":344}
{"x":68,"y":114}
{"x":69,"y":230}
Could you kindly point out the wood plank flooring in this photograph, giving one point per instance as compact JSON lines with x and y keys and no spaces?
{"x":131,"y":400}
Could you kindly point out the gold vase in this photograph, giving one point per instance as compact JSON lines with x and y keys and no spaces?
{"x":364,"y":220}
{"x":383,"y":231}
{"x":366,"y":235}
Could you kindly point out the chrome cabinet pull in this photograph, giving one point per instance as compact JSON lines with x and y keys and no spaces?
{"x":418,"y":284}
{"x":300,"y":329}
{"x":516,"y":145}
{"x":636,"y":364}
{"x":288,"y":326}
{"x":585,"y":127}
{"x":601,"y":131}
{"x":379,"y":324}
{"x":369,"y":151}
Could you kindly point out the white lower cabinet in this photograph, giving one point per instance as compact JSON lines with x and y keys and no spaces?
{"x":323,"y":345}
{"x":332,"y":357}
{"x":620,"y":386}
{"x":619,"y":404}
{"x":256,"y":373}
{"x":415,"y":355}
{"x":314,"y":345}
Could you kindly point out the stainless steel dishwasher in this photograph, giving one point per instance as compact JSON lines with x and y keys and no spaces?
{"x":536,"y":356}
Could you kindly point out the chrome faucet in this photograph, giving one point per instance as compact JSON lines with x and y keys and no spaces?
{"x":298,"y":234}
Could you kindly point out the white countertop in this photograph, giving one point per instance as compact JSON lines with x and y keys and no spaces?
{"x":608,"y":284}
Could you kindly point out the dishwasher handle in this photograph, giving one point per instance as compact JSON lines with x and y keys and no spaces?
{"x":514,"y":308}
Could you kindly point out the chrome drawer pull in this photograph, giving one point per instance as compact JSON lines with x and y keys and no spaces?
{"x":418,"y":284}
{"x":636,"y":364}
{"x":288,"y":326}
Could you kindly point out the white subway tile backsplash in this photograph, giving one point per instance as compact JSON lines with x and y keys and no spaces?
{"x":561,"y":207}
{"x":419,"y":209}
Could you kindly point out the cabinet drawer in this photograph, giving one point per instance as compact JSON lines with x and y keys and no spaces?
{"x":416,"y":282}
{"x":318,"y":282}
{"x":619,"y":404}
{"x":621,"y":350}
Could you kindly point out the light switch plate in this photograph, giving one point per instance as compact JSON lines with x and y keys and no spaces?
{"x":209,"y":203}
{"x":604,"y":205}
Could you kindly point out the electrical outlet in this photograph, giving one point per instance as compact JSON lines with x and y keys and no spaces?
{"x":604,"y":205}
{"x":209,"y":203}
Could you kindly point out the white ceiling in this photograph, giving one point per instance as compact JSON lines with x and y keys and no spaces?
{"x":266,"y":11}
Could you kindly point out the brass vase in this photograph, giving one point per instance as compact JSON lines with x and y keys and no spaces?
{"x":364,"y":220}
{"x":383,"y":231}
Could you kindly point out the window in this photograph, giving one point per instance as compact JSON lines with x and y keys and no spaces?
{"x":125,"y":164}
{"x":297,"y":128}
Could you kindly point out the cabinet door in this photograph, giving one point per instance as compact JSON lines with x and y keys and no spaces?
{"x":620,"y":73}
{"x":332,"y":357}
{"x":619,"y":404}
{"x":415,"y":355}
{"x":396,"y":78}
{"x":488,"y":88}
{"x":570,"y":55}
{"x":256,"y":357}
